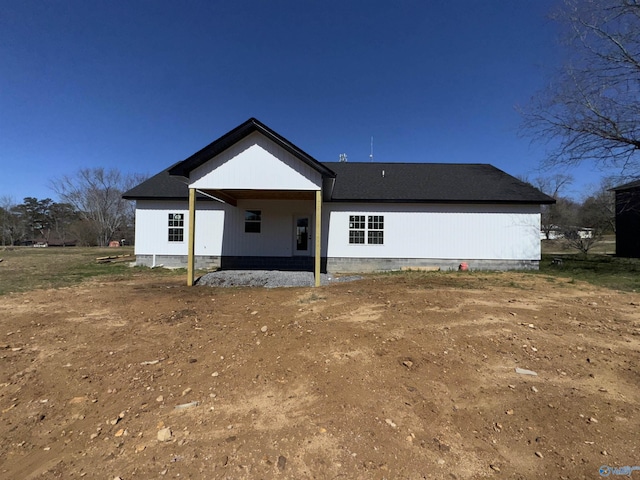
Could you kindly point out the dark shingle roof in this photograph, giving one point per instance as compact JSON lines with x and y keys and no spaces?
{"x":361,"y":182}
{"x":430,"y":182}
{"x":402,"y":182}
{"x":159,"y":187}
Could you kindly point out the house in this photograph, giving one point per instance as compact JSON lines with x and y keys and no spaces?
{"x":628,"y":219}
{"x":555,"y":232}
{"x":254,"y":200}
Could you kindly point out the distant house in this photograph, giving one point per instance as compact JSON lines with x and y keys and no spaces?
{"x":628,"y":219}
{"x":253,"y":200}
{"x":555,"y":232}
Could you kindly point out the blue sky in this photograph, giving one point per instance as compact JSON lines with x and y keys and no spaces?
{"x":139,"y":85}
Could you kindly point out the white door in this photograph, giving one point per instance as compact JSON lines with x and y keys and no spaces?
{"x":302,"y":235}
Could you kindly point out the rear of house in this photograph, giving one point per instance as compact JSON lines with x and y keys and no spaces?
{"x":260,"y":202}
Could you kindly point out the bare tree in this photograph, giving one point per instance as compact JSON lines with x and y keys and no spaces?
{"x":589,"y":228}
{"x":559,"y":213}
{"x":591,"y":110}
{"x":96,"y":194}
{"x":599,"y":208}
{"x":594,"y":218}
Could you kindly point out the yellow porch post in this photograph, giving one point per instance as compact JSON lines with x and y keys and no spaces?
{"x":318,"y":235}
{"x":192,"y":237}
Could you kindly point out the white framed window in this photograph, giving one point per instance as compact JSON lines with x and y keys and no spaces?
{"x":356,"y":229}
{"x":252,"y":221}
{"x":366,"y":229}
{"x":176,"y":227}
{"x":375,"y":230}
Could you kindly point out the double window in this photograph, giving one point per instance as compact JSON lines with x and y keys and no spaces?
{"x":176,"y":227}
{"x":366,"y":229}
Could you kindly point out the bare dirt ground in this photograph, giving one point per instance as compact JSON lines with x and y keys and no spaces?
{"x":395,"y":376}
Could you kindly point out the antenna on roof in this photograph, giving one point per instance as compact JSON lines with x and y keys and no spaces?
{"x":371,"y":154}
{"x":343,"y":157}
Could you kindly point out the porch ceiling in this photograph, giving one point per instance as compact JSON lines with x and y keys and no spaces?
{"x":231,"y":196}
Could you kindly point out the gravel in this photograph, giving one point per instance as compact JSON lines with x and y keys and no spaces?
{"x":267,"y":279}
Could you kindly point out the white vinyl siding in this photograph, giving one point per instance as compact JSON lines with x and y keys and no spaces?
{"x":508,"y":232}
{"x":492,"y":232}
{"x":220,"y":228}
{"x":151,"y":227}
{"x":256,"y":163}
{"x":276,"y":237}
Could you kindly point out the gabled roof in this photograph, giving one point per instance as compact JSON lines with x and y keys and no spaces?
{"x":402,"y":182}
{"x":361,"y":182}
{"x":430,"y":182}
{"x":218,"y":146}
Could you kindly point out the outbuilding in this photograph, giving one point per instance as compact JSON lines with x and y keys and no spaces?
{"x":254,"y":200}
{"x":628,"y":219}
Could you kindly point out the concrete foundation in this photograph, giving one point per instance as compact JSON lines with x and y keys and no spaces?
{"x":332,"y":265}
{"x":360,"y":265}
{"x":178,"y":261}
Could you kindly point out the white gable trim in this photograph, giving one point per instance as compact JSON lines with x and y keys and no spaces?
{"x":255,"y":163}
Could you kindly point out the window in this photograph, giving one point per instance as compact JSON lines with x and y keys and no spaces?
{"x":372,"y":230}
{"x":252,"y":220}
{"x":176,"y":227}
{"x":375,"y":227}
{"x":356,"y":228}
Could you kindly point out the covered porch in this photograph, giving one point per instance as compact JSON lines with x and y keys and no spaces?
{"x":263,"y":230}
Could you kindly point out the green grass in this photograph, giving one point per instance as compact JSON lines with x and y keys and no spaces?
{"x":27,"y":268}
{"x":602,"y":270}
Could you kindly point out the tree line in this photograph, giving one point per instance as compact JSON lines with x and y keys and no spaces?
{"x":91,"y":211}
{"x":579,"y":224}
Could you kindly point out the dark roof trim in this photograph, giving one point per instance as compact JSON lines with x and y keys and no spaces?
{"x":185,"y":167}
{"x":626,"y":186}
{"x":436,"y":201}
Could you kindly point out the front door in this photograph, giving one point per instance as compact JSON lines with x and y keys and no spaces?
{"x":302,"y":235}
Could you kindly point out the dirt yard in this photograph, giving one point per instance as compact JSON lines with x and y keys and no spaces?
{"x":402,"y":376}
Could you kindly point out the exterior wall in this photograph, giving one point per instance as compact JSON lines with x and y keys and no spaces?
{"x":276,"y":237}
{"x":256,"y":163}
{"x":490,"y":233}
{"x":219,"y":231}
{"x":484,"y":236}
{"x":152,"y":227}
